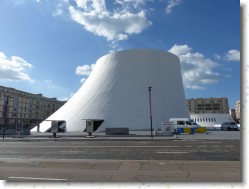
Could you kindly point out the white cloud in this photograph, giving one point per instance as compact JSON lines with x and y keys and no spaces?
{"x":180,"y":49}
{"x":114,"y":20}
{"x":197,"y":70}
{"x":83,"y":80}
{"x":40,"y":1}
{"x":171,"y":5}
{"x":14,"y":68}
{"x":132,"y":3}
{"x":81,"y":3}
{"x":232,"y":55}
{"x":59,"y":10}
{"x":115,"y":25}
{"x":50,"y":84}
{"x":95,"y":5}
{"x":66,"y":98}
{"x":217,"y":57}
{"x":85,"y":69}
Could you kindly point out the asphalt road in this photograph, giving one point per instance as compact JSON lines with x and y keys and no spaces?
{"x":176,"y":160}
{"x":207,"y":150}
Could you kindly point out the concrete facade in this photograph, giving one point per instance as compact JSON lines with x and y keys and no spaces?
{"x":208,"y":105}
{"x":25,"y":108}
{"x":117,"y":92}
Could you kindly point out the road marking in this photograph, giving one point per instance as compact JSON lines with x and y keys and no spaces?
{"x":229,"y":146}
{"x":97,"y":146}
{"x":71,"y":151}
{"x":172,"y":152}
{"x":211,"y":142}
{"x":33,"y":178}
{"x":183,"y":146}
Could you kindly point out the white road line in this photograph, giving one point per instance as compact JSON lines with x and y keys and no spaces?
{"x":97,"y":146}
{"x":70,"y":151}
{"x":200,"y":146}
{"x":172,"y":152}
{"x":33,"y":178}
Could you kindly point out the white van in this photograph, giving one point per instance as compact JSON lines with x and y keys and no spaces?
{"x":184,"y":123}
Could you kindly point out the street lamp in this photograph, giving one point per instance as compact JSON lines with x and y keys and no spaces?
{"x":149,"y":88}
{"x":5,"y":112}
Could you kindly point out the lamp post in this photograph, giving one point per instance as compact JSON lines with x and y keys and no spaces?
{"x":149,"y":88}
{"x":5,"y":112}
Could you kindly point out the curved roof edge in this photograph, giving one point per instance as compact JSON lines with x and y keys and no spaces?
{"x":142,"y":50}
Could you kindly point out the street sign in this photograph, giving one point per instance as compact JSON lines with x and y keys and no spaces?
{"x":167,"y":127}
{"x":89,"y":126}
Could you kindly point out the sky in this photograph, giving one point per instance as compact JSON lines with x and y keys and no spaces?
{"x":50,"y":47}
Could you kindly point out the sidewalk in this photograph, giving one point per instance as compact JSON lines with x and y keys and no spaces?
{"x":139,"y":135}
{"x":134,"y":135}
{"x":121,"y":170}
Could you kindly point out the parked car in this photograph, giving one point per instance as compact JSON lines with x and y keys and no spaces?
{"x":229,"y":126}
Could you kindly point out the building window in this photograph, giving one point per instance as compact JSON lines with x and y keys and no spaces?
{"x":180,"y":122}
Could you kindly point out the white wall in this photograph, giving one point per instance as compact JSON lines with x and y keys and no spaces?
{"x":117,"y":92}
{"x":210,"y":120}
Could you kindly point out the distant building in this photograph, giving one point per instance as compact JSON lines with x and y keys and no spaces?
{"x":24,"y":108}
{"x":232,"y":113}
{"x":237,"y":111}
{"x":211,"y":121}
{"x":208,"y":105}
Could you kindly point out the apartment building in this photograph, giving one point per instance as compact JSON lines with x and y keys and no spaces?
{"x":19,"y":107}
{"x":208,"y":105}
{"x":237,"y":111}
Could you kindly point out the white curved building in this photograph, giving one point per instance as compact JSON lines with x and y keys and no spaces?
{"x":117,"y":92}
{"x":211,"y":121}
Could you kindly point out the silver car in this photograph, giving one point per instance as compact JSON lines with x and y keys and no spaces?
{"x":229,"y":126}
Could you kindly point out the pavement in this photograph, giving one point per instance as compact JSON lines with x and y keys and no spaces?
{"x":64,"y":170}
{"x":134,"y":135}
{"x":213,"y":157}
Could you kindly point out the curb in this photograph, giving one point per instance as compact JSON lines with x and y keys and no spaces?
{"x":96,"y":138}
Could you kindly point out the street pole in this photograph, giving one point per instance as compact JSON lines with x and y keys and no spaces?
{"x":150,"y":112}
{"x":38,"y":126}
{"x":5,"y":112}
{"x":5,"y":120}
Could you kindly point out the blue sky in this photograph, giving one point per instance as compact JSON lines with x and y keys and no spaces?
{"x":50,"y":47}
